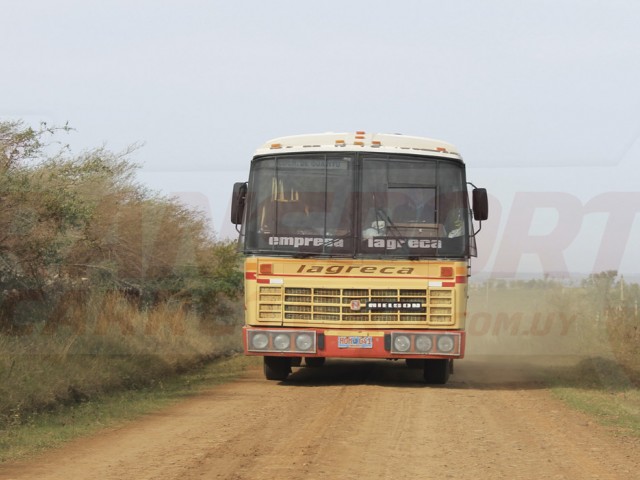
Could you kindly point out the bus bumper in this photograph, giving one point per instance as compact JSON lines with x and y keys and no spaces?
{"x":337,"y":343}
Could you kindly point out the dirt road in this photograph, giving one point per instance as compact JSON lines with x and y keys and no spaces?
{"x":355,"y":420}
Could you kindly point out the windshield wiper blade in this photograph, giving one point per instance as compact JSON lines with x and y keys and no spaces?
{"x":392,"y":227}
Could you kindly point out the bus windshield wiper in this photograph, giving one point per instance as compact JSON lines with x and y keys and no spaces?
{"x":392,"y":227}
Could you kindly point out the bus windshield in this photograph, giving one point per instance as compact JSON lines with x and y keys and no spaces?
{"x":301,"y":205}
{"x":357,"y":205}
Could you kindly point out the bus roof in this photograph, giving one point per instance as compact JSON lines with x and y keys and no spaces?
{"x":359,"y":141}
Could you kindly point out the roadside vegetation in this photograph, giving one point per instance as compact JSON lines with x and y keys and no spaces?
{"x":108,"y":290}
{"x":583,"y":335}
{"x":105,"y":286}
{"x":44,"y":430}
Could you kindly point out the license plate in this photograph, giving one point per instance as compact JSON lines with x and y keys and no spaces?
{"x":355,"y":342}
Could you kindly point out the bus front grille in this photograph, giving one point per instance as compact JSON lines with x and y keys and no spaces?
{"x":322,"y":306}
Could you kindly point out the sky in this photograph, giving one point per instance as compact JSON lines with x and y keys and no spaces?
{"x":540,"y":97}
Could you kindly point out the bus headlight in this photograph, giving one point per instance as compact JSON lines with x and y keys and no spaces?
{"x":446,"y":343}
{"x":424,"y":343}
{"x":304,"y":342}
{"x":282,"y":341}
{"x":259,"y":341}
{"x":401,"y":343}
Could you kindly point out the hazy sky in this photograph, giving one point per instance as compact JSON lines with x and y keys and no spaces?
{"x":539,"y":96}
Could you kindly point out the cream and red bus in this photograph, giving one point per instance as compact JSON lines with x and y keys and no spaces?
{"x":356,"y":245}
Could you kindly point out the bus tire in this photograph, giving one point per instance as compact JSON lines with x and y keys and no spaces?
{"x":437,"y":371}
{"x":277,"y":368}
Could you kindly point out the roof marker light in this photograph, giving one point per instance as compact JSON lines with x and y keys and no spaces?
{"x":266,"y":268}
{"x":441,"y":149}
{"x":446,"y":272}
{"x":276,"y":145}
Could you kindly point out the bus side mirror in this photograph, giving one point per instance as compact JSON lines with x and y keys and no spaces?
{"x":238,"y":201}
{"x":480,"y":204}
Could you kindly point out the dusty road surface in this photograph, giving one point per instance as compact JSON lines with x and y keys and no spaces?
{"x":355,"y":420}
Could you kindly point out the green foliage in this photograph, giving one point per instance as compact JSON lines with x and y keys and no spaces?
{"x":104,"y":285}
{"x":81,"y":222}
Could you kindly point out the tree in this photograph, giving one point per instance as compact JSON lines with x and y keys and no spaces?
{"x":83,"y":222}
{"x":600,"y":286}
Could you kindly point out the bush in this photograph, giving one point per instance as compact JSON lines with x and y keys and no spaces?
{"x":103,"y":283}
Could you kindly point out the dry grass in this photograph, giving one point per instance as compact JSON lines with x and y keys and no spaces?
{"x":623,"y":331}
{"x":587,"y":351}
{"x":557,"y":321}
{"x":46,"y":430}
{"x":101,"y":344}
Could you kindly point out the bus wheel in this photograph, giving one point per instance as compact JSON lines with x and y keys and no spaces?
{"x":314,"y":361}
{"x":277,"y":368}
{"x":437,"y":371}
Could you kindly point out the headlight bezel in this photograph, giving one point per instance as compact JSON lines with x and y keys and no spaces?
{"x":445,"y":338}
{"x":425,"y":344}
{"x":427,"y":347}
{"x":263,"y":345}
{"x":307,"y":338}
{"x":405,"y":343}
{"x":281,"y":341}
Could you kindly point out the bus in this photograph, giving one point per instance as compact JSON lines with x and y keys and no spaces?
{"x":357,"y":245}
